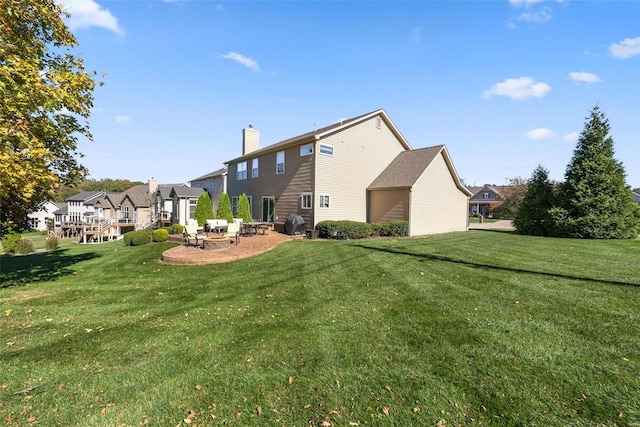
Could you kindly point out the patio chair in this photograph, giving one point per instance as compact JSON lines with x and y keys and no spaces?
{"x":233,"y":231}
{"x":191,"y":232}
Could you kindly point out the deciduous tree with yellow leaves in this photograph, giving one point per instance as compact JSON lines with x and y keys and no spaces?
{"x":46,"y":97}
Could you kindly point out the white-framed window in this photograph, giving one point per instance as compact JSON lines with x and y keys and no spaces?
{"x":486,"y":195}
{"x":306,"y":149}
{"x":242,"y":171}
{"x":324,"y":201}
{"x":327,"y":150}
{"x":192,"y":208}
{"x":280,"y":162}
{"x":234,"y":204}
{"x":254,"y":168}
{"x":306,"y":201}
{"x":125,"y":212}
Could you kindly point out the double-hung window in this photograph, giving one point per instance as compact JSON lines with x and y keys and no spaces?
{"x":242,"y":171}
{"x":280,"y":162}
{"x":324,"y":200}
{"x":306,"y":201}
{"x":254,"y":168}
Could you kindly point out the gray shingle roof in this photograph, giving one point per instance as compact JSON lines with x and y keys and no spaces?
{"x":187,"y":191}
{"x":85,"y":196}
{"x":213,"y":174}
{"x":406,"y":168}
{"x":325,"y":131}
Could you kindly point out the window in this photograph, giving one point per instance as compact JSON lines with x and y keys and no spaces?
{"x":125,"y":212}
{"x":486,"y":195}
{"x":254,"y":168}
{"x":307,"y":149}
{"x":242,"y":171}
{"x":234,"y":205}
{"x":192,"y":207}
{"x":280,"y":162}
{"x":326,"y":149}
{"x":324,"y":201}
{"x":306,"y":201}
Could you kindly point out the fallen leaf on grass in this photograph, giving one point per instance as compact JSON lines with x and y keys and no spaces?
{"x":325,"y":424}
{"x":26,"y":390}
{"x":290,"y":380}
{"x":198,"y":386}
{"x":386,"y":410}
{"x":259,"y":410}
{"x":106,"y":407}
{"x":387,"y":388}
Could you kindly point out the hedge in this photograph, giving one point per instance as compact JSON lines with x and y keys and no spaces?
{"x":342,"y":230}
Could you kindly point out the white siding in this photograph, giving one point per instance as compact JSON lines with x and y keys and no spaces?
{"x":360,"y":154}
{"x":437,"y":204}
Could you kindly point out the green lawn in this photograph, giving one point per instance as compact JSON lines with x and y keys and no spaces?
{"x":474,"y":328}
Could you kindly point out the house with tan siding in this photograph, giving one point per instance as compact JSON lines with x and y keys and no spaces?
{"x":347,"y":171}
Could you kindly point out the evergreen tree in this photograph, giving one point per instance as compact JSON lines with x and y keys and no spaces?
{"x":244,"y":209}
{"x":224,"y":208}
{"x":532,"y":216}
{"x":204,"y":209}
{"x":597,"y":202}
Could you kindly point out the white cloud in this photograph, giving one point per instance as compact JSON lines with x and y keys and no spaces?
{"x":538,"y":17}
{"x":626,"y":48}
{"x":571,"y":137}
{"x":584,"y":77}
{"x":524,"y":3}
{"x":520,"y":88}
{"x":123,"y":119}
{"x":540,"y":133}
{"x":88,"y":13}
{"x":247,"y":62}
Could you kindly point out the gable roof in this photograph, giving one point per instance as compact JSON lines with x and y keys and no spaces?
{"x":138,"y":195}
{"x":478,"y":192}
{"x":324,"y":132}
{"x":187,"y":192}
{"x":214,"y":174}
{"x":408,"y":166}
{"x":64,"y":209}
{"x":87,"y":197}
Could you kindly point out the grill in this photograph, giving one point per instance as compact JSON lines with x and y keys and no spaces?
{"x":293,"y":225}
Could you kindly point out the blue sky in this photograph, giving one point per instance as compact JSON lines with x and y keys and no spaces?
{"x":506,"y":85}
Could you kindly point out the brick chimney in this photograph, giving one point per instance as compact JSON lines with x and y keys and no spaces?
{"x":250,"y":140}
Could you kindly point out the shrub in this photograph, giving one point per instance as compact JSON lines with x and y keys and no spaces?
{"x":204,"y":209}
{"x":344,"y":230}
{"x":23,"y":246}
{"x":159,"y":235}
{"x":224,"y":208}
{"x":52,"y":243}
{"x":9,"y":241}
{"x":176,"y":229}
{"x":244,"y":209}
{"x":392,"y":228}
{"x":137,"y":238}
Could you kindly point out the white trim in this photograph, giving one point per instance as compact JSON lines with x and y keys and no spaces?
{"x":278,"y":172}
{"x":308,"y":205}
{"x":324,"y":201}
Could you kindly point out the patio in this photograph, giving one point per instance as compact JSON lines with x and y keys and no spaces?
{"x":246,"y":247}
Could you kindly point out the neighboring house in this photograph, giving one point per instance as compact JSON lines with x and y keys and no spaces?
{"x":46,"y":211}
{"x":163,"y":204}
{"x":81,"y":206}
{"x":61,"y":215}
{"x":636,"y":195}
{"x":215,"y":183}
{"x":484,"y":198}
{"x":185,"y":200}
{"x":136,"y":204}
{"x":351,"y":170}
